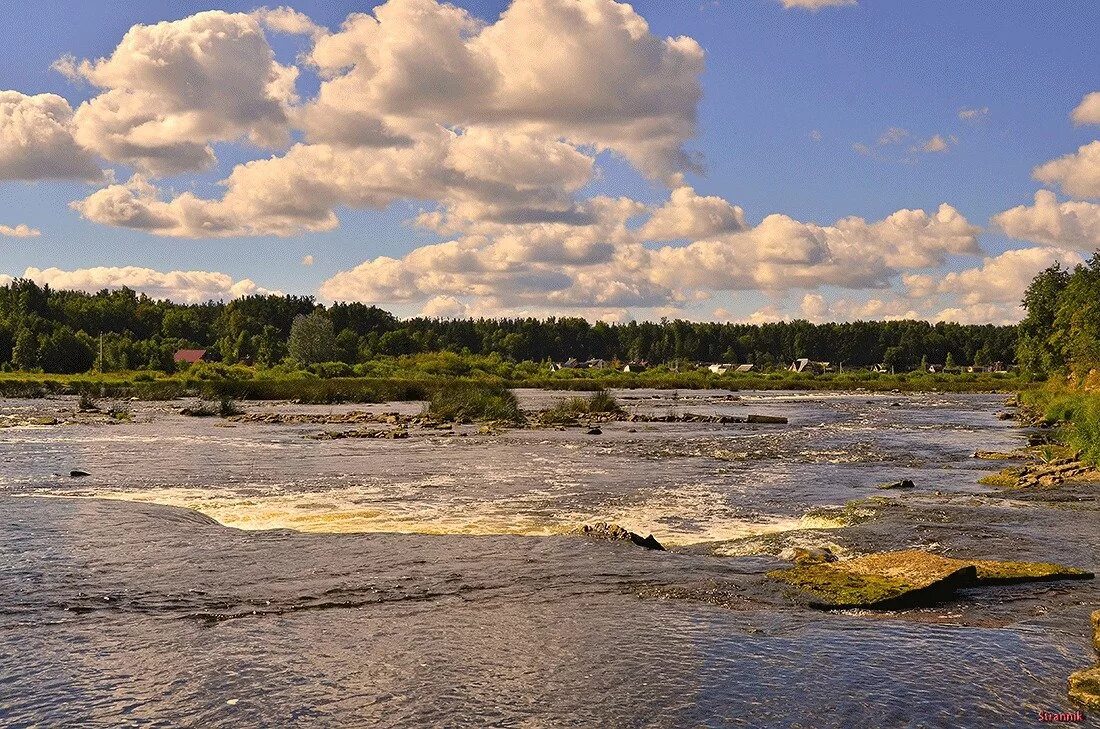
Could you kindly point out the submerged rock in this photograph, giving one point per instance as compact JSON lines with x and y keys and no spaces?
{"x":904,"y":484}
{"x":881,"y":581}
{"x":766,"y":419}
{"x":903,"y":579}
{"x":78,"y":474}
{"x":615,"y":533}
{"x":1084,"y":688}
{"x":595,"y":431}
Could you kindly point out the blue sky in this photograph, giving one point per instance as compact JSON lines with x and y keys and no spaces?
{"x":773,"y":77}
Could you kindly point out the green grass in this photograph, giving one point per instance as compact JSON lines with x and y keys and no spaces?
{"x":1075,"y":411}
{"x":466,"y":402}
{"x":570,"y":409}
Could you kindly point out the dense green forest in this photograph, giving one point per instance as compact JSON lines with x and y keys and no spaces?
{"x":65,"y":332}
{"x":1060,"y":337}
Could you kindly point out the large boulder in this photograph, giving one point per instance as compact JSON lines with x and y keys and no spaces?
{"x":1084,"y":688}
{"x":615,"y":533}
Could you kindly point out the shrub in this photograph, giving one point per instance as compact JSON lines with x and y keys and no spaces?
{"x":465,"y":401}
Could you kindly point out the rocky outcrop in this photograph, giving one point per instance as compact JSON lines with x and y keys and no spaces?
{"x":885,"y":581}
{"x":897,"y":485}
{"x":893,"y":580}
{"x":362,"y":433}
{"x":993,"y":572}
{"x":1084,"y":688}
{"x":615,"y":533}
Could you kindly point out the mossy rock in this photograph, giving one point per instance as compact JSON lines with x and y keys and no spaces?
{"x":892,"y":580}
{"x":992,"y":572}
{"x":880,"y":581}
{"x":1084,"y":688}
{"x":1096,"y":630}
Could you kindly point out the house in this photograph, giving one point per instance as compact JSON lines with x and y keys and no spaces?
{"x":569,"y":364}
{"x":935,"y":369}
{"x":721,"y":369}
{"x":881,"y":369}
{"x":807,"y":365}
{"x":189,"y":356}
{"x":746,"y":368}
{"x":596,"y":364}
{"x":636,"y":367}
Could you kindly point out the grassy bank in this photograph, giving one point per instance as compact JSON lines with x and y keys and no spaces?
{"x":416,"y":378}
{"x":1075,"y":411}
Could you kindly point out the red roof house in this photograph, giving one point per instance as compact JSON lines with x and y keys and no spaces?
{"x":190,"y":356}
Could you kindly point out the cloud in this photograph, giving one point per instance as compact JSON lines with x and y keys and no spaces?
{"x":182,"y":286}
{"x":815,"y":308}
{"x":1072,"y":224}
{"x":816,"y":5}
{"x":861,"y":149}
{"x":444,"y":307}
{"x":1077,"y":174}
{"x":476,"y":175}
{"x":307,"y":260}
{"x":816,"y":136}
{"x":936,"y":144}
{"x":893,"y":135}
{"x":998,"y":280}
{"x":36,"y":140}
{"x":609,"y":83}
{"x":19,"y":231}
{"x":688,"y":215}
{"x":289,"y":21}
{"x":605,"y":264}
{"x":1088,"y":111}
{"x":974,"y":115}
{"x":171,"y":89}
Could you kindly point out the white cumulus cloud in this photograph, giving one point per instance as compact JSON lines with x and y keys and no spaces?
{"x":1078,"y":174}
{"x":36,"y":140}
{"x":1072,"y":224}
{"x":19,"y":231}
{"x":182,"y":286}
{"x":1088,"y":111}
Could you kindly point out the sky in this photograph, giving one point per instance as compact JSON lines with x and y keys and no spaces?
{"x":727,"y":160}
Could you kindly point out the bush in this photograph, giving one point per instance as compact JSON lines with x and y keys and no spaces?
{"x":465,"y":402}
{"x":568,"y":410}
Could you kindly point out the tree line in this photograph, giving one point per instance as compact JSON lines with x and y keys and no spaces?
{"x":1061,"y":331}
{"x":71,"y":332}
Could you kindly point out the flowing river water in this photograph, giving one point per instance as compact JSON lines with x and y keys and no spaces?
{"x":227,"y":574}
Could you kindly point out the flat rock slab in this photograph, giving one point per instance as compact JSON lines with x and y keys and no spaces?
{"x":893,"y":580}
{"x":1084,"y":688}
{"x":880,"y":581}
{"x":992,"y":572}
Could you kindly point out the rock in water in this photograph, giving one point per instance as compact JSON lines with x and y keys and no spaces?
{"x":595,"y":431}
{"x":880,"y":581}
{"x":615,"y":533}
{"x":1096,"y":631}
{"x":905,"y":484}
{"x":79,"y":474}
{"x":1084,"y":688}
{"x":766,"y":419}
{"x":894,"y":580}
{"x":993,"y":572}
{"x":808,"y":555}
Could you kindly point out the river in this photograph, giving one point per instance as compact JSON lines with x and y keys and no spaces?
{"x":227,"y":574}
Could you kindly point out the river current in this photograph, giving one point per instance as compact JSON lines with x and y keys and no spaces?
{"x":228,"y":574}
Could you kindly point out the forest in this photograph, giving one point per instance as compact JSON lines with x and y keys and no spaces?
{"x":66,"y":332}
